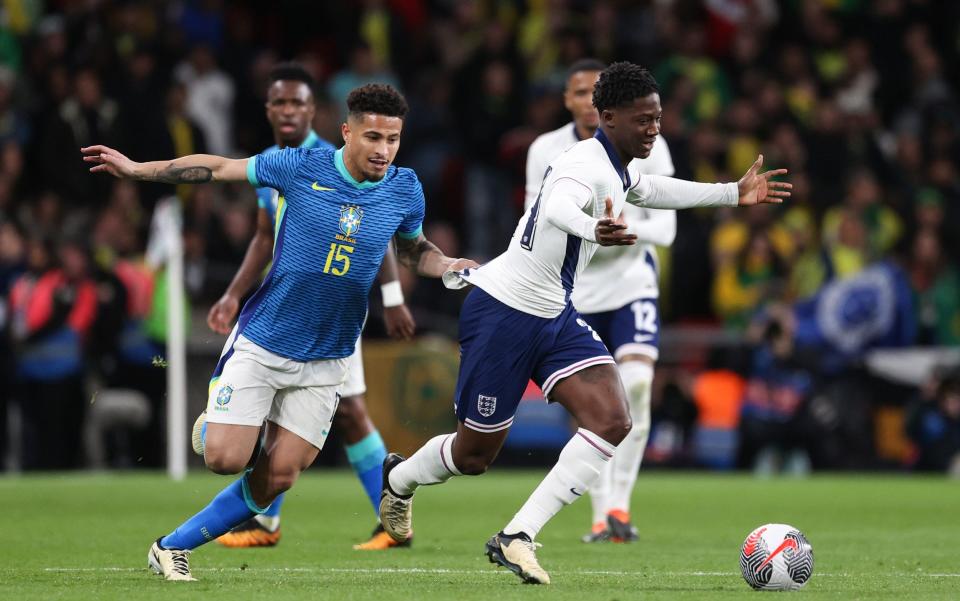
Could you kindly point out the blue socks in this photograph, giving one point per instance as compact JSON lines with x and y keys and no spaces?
{"x":366,"y":457}
{"x":231,"y":507}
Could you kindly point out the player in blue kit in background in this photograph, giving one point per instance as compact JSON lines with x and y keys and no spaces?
{"x":287,"y":356}
{"x":290,"y":109}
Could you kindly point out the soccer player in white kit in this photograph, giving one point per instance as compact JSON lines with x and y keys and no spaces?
{"x":617,"y":296}
{"x":518,"y":321}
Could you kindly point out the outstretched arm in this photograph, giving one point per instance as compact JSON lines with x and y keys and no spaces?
{"x":659,"y":227}
{"x":424,"y":258}
{"x":191,"y":169}
{"x":659,"y":192}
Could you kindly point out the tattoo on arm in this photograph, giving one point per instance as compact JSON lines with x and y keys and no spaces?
{"x":409,"y":252}
{"x":183,"y":175}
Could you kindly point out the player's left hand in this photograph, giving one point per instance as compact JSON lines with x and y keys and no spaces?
{"x":612,"y":231}
{"x":399,"y":322}
{"x":756,"y":188}
{"x":108,"y":160}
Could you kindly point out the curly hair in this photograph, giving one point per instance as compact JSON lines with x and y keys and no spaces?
{"x":291,"y":72}
{"x":622,"y":83}
{"x":377,"y":98}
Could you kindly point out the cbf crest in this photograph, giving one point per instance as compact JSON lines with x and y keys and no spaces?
{"x":486,"y":405}
{"x":224,"y":394}
{"x":350,"y":217}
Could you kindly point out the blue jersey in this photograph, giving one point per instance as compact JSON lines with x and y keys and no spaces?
{"x":268,"y":198}
{"x":331,"y":235}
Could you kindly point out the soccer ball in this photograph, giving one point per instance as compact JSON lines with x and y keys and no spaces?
{"x":776,"y":557}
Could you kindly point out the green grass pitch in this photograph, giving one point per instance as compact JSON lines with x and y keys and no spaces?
{"x":86,"y":537}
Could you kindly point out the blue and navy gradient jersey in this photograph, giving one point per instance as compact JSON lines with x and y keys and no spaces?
{"x":331,"y":235}
{"x":268,"y":198}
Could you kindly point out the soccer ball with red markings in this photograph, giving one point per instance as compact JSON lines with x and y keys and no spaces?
{"x":776,"y":557}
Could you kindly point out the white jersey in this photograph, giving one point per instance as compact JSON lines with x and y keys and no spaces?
{"x":617,"y":275}
{"x":554,"y":240}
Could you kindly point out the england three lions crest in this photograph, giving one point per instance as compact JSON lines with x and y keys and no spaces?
{"x":350,"y":217}
{"x":486,"y":405}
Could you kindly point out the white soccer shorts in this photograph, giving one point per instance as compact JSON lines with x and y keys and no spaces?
{"x":254,"y":385}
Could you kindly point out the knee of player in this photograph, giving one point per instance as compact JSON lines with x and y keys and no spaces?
{"x":615,"y":427}
{"x":222,"y":462}
{"x":473,"y":464}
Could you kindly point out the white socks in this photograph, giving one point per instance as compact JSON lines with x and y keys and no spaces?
{"x":431,"y":464}
{"x":577,"y":470}
{"x":637,"y":378}
{"x":600,"y":492}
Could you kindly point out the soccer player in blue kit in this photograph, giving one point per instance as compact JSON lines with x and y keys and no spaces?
{"x":287,"y":357}
{"x":290,"y":109}
{"x":518,"y":321}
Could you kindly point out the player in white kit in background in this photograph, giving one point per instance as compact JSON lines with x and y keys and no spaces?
{"x":518,"y":322}
{"x":617,"y":296}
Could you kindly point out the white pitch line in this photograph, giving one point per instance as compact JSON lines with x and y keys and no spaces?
{"x":390,"y":571}
{"x":491,"y":572}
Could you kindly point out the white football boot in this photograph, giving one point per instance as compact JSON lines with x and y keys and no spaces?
{"x":172,"y":564}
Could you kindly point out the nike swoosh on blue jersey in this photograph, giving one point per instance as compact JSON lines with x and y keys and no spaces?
{"x":320,"y":188}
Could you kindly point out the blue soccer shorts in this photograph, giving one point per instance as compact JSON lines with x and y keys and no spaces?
{"x":502,"y":348}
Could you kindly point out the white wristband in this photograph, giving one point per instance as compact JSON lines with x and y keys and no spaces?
{"x":392,"y":294}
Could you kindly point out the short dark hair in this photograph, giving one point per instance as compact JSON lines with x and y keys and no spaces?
{"x":585,"y":64}
{"x":292,"y":72}
{"x":622,"y":83}
{"x":377,"y":98}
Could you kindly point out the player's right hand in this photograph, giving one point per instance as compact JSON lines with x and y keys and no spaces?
{"x":612,"y":231}
{"x":108,"y":160}
{"x":399,"y":322}
{"x":223,"y":313}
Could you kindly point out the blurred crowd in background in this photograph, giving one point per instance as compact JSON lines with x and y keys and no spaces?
{"x":858,"y":98}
